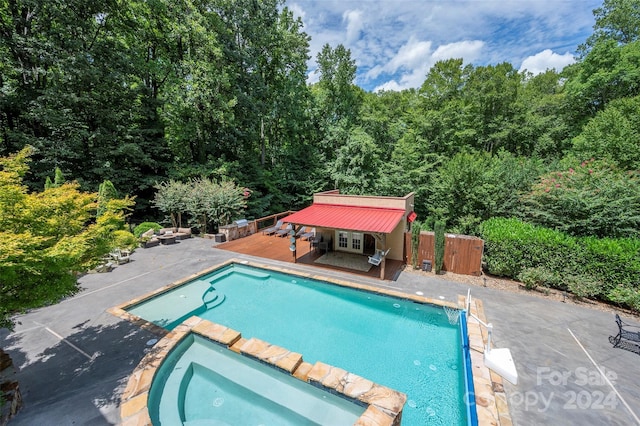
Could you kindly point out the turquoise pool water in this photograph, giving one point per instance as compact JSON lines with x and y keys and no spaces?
{"x":404,"y":345}
{"x":202,"y":383}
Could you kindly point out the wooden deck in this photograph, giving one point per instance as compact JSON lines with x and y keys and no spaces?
{"x":277,"y":248}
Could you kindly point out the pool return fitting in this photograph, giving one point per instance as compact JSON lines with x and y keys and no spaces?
{"x":498,"y":359}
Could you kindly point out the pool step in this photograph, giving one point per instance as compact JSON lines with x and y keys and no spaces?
{"x":239,"y":271}
{"x":220,"y":275}
{"x":211,"y":298}
{"x":251,"y":273}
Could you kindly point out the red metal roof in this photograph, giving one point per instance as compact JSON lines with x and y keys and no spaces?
{"x":350,"y":218}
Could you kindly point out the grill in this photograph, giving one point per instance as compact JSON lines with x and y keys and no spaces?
{"x":241,"y":223}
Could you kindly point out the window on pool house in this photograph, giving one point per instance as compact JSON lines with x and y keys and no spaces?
{"x":343,"y":238}
{"x":356,"y":241}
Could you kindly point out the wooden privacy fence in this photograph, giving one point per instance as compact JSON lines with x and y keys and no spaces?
{"x":462,"y":253}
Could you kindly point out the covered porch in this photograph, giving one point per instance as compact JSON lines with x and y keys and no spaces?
{"x":275,"y":248}
{"x":351,"y":226}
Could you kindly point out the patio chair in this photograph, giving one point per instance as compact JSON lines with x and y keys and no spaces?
{"x":120,"y":256}
{"x":324,"y":246}
{"x":309,"y":234}
{"x":314,"y":242}
{"x":626,"y":331}
{"x":107,"y":266}
{"x":273,"y":229}
{"x":301,"y":231}
{"x":376,"y":259}
{"x":284,"y":231}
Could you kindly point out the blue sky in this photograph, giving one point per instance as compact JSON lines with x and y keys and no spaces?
{"x":395,"y":42}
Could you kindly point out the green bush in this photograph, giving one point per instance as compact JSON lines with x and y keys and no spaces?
{"x":584,"y":286}
{"x":587,"y":266}
{"x":625,"y":296}
{"x":533,"y":278}
{"x":124,"y":239}
{"x":144,"y":227}
{"x":415,"y":243}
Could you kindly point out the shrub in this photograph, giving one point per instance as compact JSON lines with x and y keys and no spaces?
{"x":144,"y":227}
{"x":606,"y":268}
{"x":590,"y":198}
{"x":415,"y":243}
{"x":533,"y":278}
{"x":625,"y":296}
{"x":124,"y":239}
{"x":584,"y":286}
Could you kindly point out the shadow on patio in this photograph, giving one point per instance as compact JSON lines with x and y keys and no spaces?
{"x":277,"y":248}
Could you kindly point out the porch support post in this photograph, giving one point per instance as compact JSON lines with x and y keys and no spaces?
{"x":382,"y":239}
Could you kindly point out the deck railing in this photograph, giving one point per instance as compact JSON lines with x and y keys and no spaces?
{"x":233,"y":232}
{"x":267,"y":221}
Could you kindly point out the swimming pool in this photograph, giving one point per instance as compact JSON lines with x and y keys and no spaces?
{"x":407,"y":346}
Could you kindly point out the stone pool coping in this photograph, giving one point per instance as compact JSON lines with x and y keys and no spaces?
{"x":384,"y":405}
{"x":490,"y":398}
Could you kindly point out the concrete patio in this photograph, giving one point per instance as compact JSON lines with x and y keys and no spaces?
{"x":74,"y":358}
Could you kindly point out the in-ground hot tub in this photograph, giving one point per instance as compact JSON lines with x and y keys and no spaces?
{"x":201,"y":382}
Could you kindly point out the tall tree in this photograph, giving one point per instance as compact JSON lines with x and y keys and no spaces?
{"x":617,"y":20}
{"x":490,"y":96}
{"x":339,"y":97}
{"x":613,"y":134}
{"x":73,"y":93}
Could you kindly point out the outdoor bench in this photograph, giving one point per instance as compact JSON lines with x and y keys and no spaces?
{"x":625,"y":332}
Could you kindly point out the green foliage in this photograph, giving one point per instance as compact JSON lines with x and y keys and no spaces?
{"x":173,"y":197}
{"x":415,"y":243}
{"x":533,"y":278}
{"x":106,"y":192}
{"x":48,"y":237}
{"x":625,"y":296}
{"x":206,"y":201}
{"x":616,"y":20}
{"x":590,"y":198}
{"x":58,"y":179}
{"x":609,"y":71}
{"x":584,"y":286}
{"x":613,"y":135}
{"x":439,"y":242}
{"x":357,"y":164}
{"x":124,"y":240}
{"x":339,"y":98}
{"x":475,"y":186}
{"x":512,"y":246}
{"x":144,"y":227}
{"x":589,"y":266}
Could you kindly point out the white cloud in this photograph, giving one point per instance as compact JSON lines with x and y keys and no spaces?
{"x":414,"y":54}
{"x":388,"y":86}
{"x":397,"y":41}
{"x":313,"y":77}
{"x":468,"y":50}
{"x":547,"y":59}
{"x":415,"y":59}
{"x":354,"y":25}
{"x":298,"y":11}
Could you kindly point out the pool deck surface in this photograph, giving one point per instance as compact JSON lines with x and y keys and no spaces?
{"x":74,"y":358}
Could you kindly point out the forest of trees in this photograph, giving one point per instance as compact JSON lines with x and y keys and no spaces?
{"x":138,"y":93}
